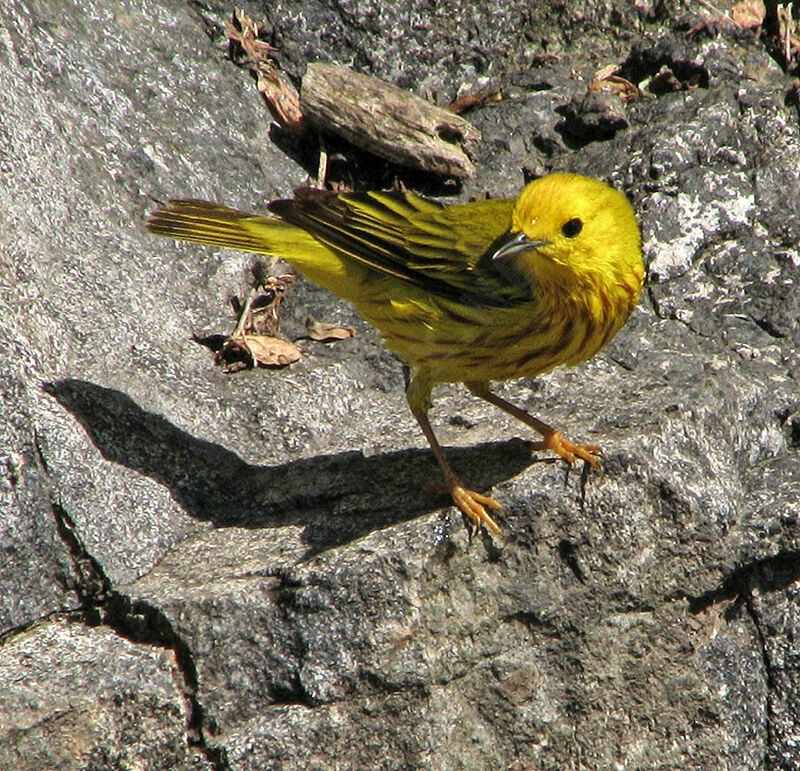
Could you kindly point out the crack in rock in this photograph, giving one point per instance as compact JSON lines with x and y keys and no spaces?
{"x":136,"y":621}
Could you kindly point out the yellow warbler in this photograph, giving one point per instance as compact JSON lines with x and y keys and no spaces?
{"x":488,"y":290}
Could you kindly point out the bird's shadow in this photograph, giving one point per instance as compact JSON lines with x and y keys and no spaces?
{"x":334,"y":498}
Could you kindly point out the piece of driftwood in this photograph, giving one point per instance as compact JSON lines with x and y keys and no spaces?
{"x":388,"y":121}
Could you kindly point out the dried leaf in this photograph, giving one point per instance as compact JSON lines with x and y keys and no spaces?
{"x":280,"y":95}
{"x":705,"y":624}
{"x":319,"y":330}
{"x":238,"y":352}
{"x":468,"y":101}
{"x":607,"y":71}
{"x":243,"y":31}
{"x":254,"y":342}
{"x":749,"y":14}
{"x":606,"y":79}
{"x":247,"y":351}
{"x":228,"y":354}
{"x":269,"y":351}
{"x":260,"y":314}
{"x":282,"y":98}
{"x":665,"y":81}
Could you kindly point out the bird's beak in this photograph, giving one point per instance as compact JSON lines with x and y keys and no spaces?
{"x":517,"y":244}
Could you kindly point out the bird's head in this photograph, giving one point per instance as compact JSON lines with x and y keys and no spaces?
{"x":574,"y":231}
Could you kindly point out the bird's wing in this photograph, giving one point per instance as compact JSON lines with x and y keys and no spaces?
{"x":445,"y":250}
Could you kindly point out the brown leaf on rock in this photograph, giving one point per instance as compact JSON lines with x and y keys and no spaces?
{"x":319,"y":330}
{"x":237,"y":352}
{"x":241,"y":30}
{"x":282,"y":99}
{"x":665,"y":81}
{"x":254,"y":341}
{"x":260,"y":314}
{"x":705,"y":624}
{"x":228,"y":354}
{"x":469,"y":101}
{"x":749,"y":14}
{"x":269,"y":351}
{"x":606,"y":79}
{"x":281,"y":96}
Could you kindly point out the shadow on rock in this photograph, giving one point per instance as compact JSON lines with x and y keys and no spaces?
{"x":335,"y":498}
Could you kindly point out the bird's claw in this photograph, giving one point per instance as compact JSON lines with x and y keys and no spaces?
{"x":473,"y":505}
{"x":569,"y":451}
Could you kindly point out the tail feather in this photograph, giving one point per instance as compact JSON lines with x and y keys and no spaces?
{"x":216,"y":225}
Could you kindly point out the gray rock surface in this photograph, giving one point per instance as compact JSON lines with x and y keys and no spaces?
{"x":210,"y":571}
{"x":75,"y":696}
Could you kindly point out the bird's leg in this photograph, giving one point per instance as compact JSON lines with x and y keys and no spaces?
{"x":472,"y":504}
{"x":552,"y":439}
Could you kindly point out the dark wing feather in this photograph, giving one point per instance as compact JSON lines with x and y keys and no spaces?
{"x":445,"y":250}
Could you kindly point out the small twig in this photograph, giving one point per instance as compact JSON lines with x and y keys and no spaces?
{"x":322,"y":168}
{"x":787,"y":33}
{"x":244,"y":314}
{"x":709,"y":7}
{"x":723,"y":18}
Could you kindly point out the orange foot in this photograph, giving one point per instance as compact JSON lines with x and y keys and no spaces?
{"x":569,"y":451}
{"x":473,"y":505}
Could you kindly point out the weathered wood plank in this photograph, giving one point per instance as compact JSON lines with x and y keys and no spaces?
{"x":388,"y":121}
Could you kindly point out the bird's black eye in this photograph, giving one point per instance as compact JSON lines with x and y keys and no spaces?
{"x":572,"y":227}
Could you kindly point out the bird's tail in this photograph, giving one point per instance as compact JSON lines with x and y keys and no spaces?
{"x":216,"y":225}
